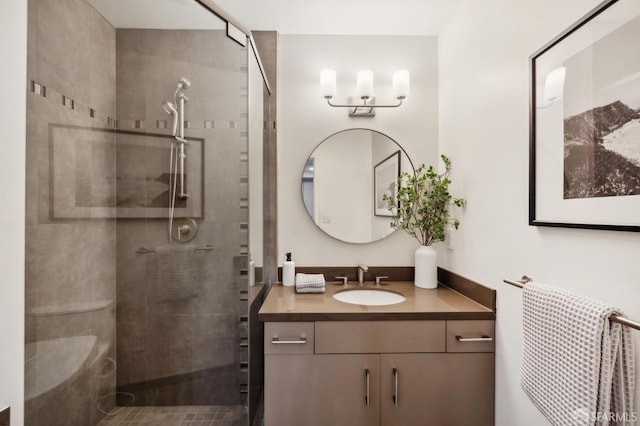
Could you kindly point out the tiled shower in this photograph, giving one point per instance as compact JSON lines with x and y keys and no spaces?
{"x":98,"y":338}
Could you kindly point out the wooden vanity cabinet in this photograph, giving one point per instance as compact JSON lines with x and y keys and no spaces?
{"x":322,"y":390}
{"x":387,"y":373}
{"x":437,"y":389}
{"x":305,"y":388}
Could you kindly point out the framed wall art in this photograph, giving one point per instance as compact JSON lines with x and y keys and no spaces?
{"x":585,"y":123}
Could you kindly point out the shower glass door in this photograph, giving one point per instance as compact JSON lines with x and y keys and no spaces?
{"x":137,"y":213}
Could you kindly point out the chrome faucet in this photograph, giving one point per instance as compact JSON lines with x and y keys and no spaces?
{"x":361,"y":270}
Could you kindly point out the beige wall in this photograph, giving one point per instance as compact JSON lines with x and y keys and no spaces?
{"x":305,"y":120}
{"x":484,"y":125}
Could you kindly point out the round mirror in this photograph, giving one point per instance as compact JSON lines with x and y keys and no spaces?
{"x":345,"y":179}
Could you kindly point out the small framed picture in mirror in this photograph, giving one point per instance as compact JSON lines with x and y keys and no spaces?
{"x":385,"y":182}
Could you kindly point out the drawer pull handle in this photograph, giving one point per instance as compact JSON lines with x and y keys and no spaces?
{"x":395,"y":390}
{"x":367,"y":380}
{"x":474,"y":339}
{"x":277,"y":341}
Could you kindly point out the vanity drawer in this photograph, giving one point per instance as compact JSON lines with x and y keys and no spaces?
{"x":288,"y":338}
{"x":471,"y":336}
{"x":380,"y":336}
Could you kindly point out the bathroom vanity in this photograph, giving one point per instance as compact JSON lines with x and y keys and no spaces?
{"x":427,"y":360}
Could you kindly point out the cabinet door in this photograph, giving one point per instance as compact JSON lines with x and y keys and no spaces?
{"x":443,"y":389}
{"x":321,"y":390}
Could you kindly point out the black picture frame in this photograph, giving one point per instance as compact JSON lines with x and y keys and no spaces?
{"x":385,"y":182}
{"x":570,"y":170}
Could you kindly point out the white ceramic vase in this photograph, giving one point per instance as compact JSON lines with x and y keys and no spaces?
{"x":426,"y":267}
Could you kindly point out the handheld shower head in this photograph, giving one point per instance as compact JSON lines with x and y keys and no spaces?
{"x":184,"y":83}
{"x":171,"y":109}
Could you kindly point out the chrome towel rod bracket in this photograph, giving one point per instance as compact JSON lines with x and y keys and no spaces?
{"x":520,"y":283}
{"x":615,"y":318}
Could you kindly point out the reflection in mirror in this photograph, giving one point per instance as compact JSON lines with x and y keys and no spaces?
{"x":340,"y":181}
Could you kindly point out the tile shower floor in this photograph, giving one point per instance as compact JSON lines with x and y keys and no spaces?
{"x":210,"y":415}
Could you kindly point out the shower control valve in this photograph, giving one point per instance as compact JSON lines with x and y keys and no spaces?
{"x":183,"y":230}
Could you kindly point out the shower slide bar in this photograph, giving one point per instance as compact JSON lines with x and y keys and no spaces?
{"x":145,"y":250}
{"x":615,"y":318}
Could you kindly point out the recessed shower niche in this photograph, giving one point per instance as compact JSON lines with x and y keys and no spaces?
{"x":137,"y":211}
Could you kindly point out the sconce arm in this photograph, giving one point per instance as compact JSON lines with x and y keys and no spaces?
{"x":364,"y":105}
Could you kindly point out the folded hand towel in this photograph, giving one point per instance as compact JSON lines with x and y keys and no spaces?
{"x":310,"y":283}
{"x":309,"y":289}
{"x":577,"y":366}
{"x":309,"y":279}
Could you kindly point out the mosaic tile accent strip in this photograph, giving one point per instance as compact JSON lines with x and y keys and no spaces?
{"x":38,"y":89}
{"x":128,"y":123}
{"x":106,"y":120}
{"x":49,"y":94}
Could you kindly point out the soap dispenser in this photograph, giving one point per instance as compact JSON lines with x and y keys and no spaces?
{"x":288,"y":271}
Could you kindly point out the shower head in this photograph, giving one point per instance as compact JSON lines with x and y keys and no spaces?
{"x":184,"y":83}
{"x":170,"y":108}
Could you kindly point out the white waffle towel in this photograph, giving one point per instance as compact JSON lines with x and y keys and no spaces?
{"x":177,"y":273}
{"x":577,"y":366}
{"x":310,"y":283}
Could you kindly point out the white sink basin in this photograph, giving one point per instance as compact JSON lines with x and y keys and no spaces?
{"x":369,"y":297}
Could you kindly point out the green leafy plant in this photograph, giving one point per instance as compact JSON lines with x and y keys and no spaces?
{"x":422,"y":204}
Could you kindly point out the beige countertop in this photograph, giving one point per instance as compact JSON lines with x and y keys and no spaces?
{"x":284,"y":304}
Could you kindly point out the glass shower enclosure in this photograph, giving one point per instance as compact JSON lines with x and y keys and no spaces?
{"x":137,"y":213}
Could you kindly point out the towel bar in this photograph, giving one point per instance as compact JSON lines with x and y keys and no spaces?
{"x":615,"y":318}
{"x":145,"y":250}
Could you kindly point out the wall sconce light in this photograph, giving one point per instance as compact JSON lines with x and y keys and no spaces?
{"x":364,"y":85}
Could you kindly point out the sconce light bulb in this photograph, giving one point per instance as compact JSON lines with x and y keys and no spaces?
{"x":365,"y":84}
{"x":328,"y":83}
{"x":401,"y":84}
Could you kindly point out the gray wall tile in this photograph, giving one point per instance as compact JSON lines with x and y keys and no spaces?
{"x":69,"y":261}
{"x":196,"y":358}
